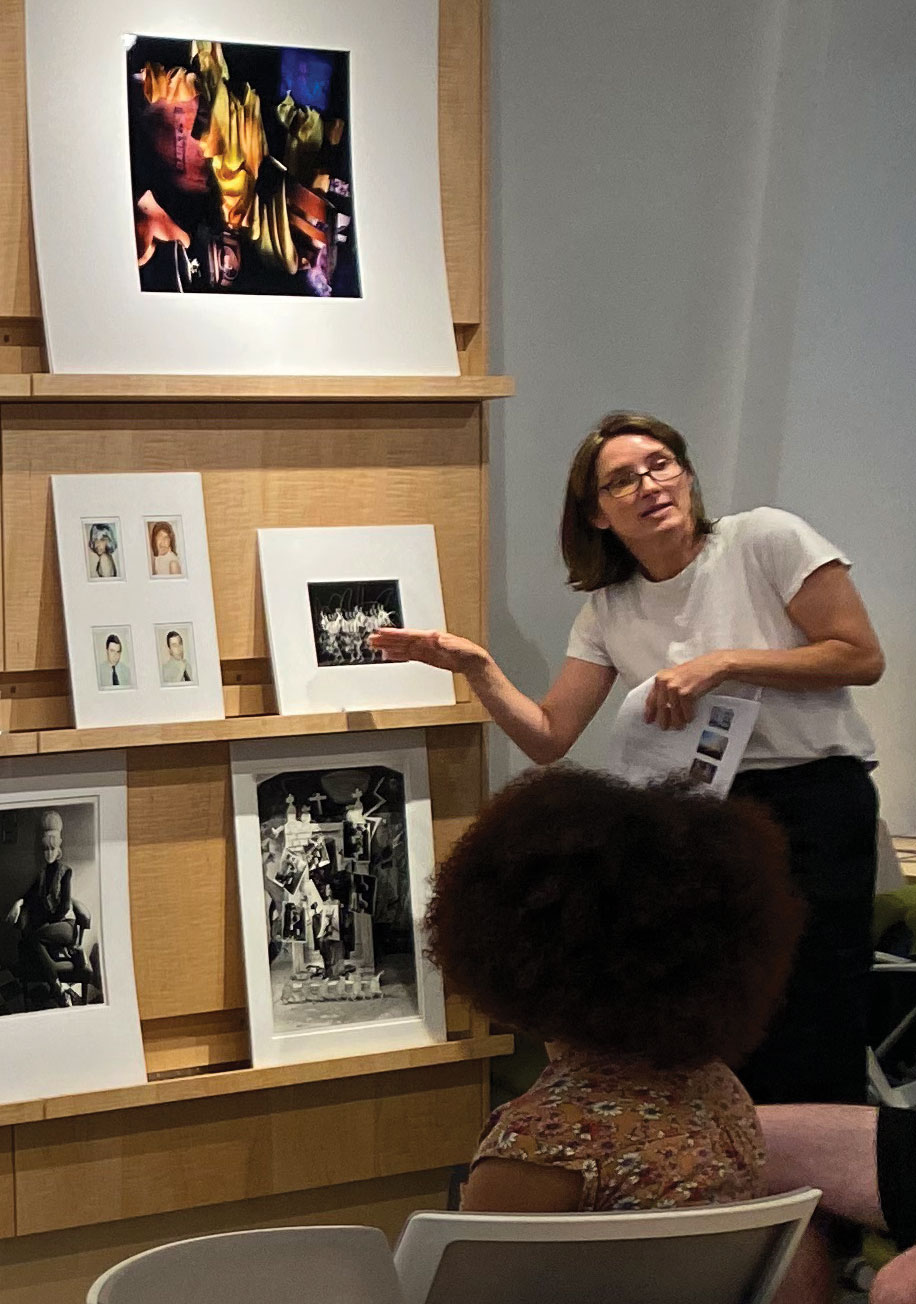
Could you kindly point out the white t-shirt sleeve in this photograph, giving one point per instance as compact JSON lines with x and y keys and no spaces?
{"x":586,"y":642}
{"x":787,"y":548}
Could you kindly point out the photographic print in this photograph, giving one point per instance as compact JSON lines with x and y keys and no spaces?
{"x":103,"y":561}
{"x":166,"y":548}
{"x":702,"y":771}
{"x":712,"y":744}
{"x":50,"y":924}
{"x":240,"y":166}
{"x":264,"y":191}
{"x":334,"y":862}
{"x":175,"y":649}
{"x":720,"y":717}
{"x":346,"y":613}
{"x":132,"y":643}
{"x":68,"y":1009}
{"x":325,"y":591}
{"x":114,"y":656}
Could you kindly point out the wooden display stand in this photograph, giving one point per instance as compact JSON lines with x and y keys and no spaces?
{"x":210,"y":1143}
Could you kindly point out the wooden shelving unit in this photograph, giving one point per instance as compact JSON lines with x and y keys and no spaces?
{"x":209,"y":1144}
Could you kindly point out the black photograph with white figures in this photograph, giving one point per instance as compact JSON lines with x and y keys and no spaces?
{"x":337,"y":897}
{"x":346,"y":612}
{"x":50,"y":935}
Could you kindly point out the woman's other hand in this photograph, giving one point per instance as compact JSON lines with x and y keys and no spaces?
{"x":672,"y":698}
{"x":431,"y":646}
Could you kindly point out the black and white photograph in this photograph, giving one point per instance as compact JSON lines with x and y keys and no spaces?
{"x":50,"y":918}
{"x":341,"y":934}
{"x":344,"y":614}
{"x":720,"y":717}
{"x":166,"y":552}
{"x":712,"y":744}
{"x":114,"y":657}
{"x":702,"y":771}
{"x":175,"y":650}
{"x":104,"y":555}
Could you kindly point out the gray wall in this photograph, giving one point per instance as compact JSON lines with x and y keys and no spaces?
{"x":707,"y":211}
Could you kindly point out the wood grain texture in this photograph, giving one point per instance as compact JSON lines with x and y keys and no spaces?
{"x":257,"y":1144}
{"x":18,"y":284}
{"x":58,"y":1267}
{"x":22,"y":349}
{"x":349,"y":389}
{"x":283,"y":465}
{"x":234,"y":1082}
{"x":192,"y":1041}
{"x":187,"y":940}
{"x":460,"y":141}
{"x":7,"y":1200}
{"x":12,"y":386}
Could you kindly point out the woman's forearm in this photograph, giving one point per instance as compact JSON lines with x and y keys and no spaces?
{"x":520,"y":718}
{"x":831,"y":663}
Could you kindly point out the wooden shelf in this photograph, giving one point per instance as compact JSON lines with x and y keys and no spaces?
{"x":241,"y":727}
{"x":44,"y":387}
{"x":234,"y":1081}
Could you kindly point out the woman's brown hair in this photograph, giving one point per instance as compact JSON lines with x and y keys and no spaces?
{"x":596,"y":558}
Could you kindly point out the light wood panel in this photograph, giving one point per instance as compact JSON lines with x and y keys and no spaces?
{"x":101,"y":1168}
{"x":460,"y":140}
{"x":18,"y":286}
{"x":349,"y":389}
{"x":13,"y":386}
{"x":59,"y":1267}
{"x":22,"y":348}
{"x":190,"y":1042}
{"x":7,"y":1201}
{"x":183,"y":894}
{"x":283,"y":465}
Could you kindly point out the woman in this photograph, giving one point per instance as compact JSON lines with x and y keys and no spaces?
{"x":164,"y":558}
{"x":758,"y":600}
{"x":645,"y":934}
{"x":102,"y":546}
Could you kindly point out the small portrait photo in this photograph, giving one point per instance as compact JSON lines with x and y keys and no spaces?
{"x":712,"y":744}
{"x":114,"y":656}
{"x":346,"y":612}
{"x":103,"y":555}
{"x":720,"y":717}
{"x":702,"y":771}
{"x":165,"y":547}
{"x":177,"y":659}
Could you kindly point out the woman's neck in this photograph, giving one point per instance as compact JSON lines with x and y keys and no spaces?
{"x":667,"y":557}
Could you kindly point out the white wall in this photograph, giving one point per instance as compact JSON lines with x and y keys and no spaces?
{"x":707,"y":211}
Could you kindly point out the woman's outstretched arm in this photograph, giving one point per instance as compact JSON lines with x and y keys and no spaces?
{"x":543,"y":730}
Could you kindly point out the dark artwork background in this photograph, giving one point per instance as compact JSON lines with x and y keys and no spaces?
{"x":340,"y":834}
{"x":241,"y":169}
{"x":50,"y":954}
{"x":344,"y":614}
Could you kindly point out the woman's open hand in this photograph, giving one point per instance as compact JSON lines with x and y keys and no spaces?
{"x":672,"y":698}
{"x":431,"y":646}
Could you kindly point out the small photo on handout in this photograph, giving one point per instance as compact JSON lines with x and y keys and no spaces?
{"x":702,"y":771}
{"x":712,"y":744}
{"x":102,"y":540}
{"x":114,"y":656}
{"x":720,"y":717}
{"x":165,"y":547}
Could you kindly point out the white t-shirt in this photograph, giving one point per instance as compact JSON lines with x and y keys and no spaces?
{"x":732,"y":595}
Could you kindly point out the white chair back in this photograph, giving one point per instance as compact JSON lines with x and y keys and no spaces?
{"x":717,"y":1254}
{"x":328,"y":1265}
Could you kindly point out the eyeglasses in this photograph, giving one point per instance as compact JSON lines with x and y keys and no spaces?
{"x":626,"y":483}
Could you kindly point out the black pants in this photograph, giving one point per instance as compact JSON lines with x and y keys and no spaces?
{"x":815,"y":1047}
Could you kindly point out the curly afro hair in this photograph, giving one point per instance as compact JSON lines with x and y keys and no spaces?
{"x":657,"y":922}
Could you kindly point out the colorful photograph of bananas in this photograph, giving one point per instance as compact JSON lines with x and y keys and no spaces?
{"x":241,"y":169}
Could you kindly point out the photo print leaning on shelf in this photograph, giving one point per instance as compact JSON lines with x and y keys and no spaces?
{"x":345,"y":613}
{"x":241,"y":168}
{"x":337,"y":897}
{"x":50,"y":917}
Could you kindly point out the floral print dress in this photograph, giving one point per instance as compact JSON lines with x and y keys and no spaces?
{"x":642,"y":1138}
